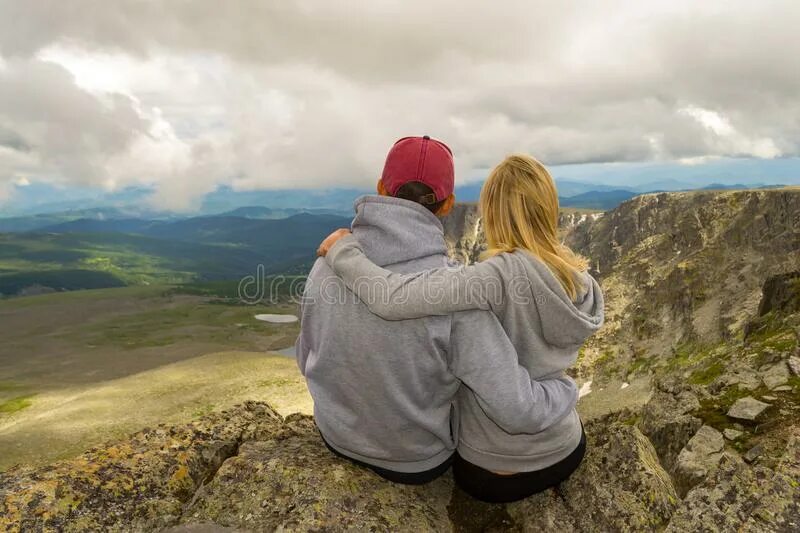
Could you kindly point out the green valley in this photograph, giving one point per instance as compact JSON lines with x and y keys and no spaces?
{"x":91,"y":254}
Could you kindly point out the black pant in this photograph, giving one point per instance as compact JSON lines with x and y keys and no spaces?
{"x":490,"y":487}
{"x":406,"y":478}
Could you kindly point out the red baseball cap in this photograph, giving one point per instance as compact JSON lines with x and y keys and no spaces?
{"x":420,"y":159}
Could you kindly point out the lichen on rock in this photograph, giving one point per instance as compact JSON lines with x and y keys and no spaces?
{"x":247,"y":469}
{"x":136,"y":484}
{"x":698,"y":459}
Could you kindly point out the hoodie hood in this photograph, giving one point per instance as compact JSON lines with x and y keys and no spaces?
{"x":393,"y":230}
{"x":565,"y":323}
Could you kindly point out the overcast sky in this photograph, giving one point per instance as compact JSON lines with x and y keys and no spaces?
{"x":187,"y":95}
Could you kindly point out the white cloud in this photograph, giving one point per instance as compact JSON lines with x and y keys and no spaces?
{"x":711,"y":120}
{"x":186,"y":96}
{"x":729,"y":140}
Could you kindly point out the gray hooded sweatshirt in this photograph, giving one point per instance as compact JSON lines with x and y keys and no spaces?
{"x":544,"y":324}
{"x":385,"y":391}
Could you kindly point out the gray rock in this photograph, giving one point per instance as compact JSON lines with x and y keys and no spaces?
{"x":780,"y":293}
{"x":248,"y":469}
{"x":619,"y":487}
{"x":732,"y":434}
{"x":276,"y":475}
{"x":139,"y":484}
{"x":294,"y":483}
{"x":668,"y":423}
{"x":753,"y":453}
{"x":794,"y":365}
{"x":739,"y":497}
{"x":719,"y":503}
{"x":747,"y":408}
{"x":698,"y":459}
{"x":741,"y":376}
{"x":769,"y":355}
{"x":776,"y":375}
{"x":769,"y":398}
{"x":201,"y":528}
{"x":306,"y":488}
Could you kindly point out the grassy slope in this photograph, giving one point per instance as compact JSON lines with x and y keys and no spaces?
{"x":77,"y":368}
{"x":64,"y":422}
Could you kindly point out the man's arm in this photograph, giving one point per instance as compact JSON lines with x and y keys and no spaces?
{"x":302,"y":345}
{"x":301,"y":351}
{"x":483,"y":358}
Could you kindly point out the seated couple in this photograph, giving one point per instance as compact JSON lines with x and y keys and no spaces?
{"x":415,"y":364}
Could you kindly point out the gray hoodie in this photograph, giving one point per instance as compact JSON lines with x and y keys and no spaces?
{"x":385,"y":391}
{"x":544,"y":324}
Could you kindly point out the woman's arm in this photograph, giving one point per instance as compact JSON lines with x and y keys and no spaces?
{"x":394,"y":296}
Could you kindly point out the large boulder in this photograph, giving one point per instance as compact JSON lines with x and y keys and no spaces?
{"x":620,"y":487}
{"x":698,"y":459}
{"x":249,"y":470}
{"x":138,"y":484}
{"x":737,"y":374}
{"x":794,"y":365}
{"x":743,"y":498}
{"x":290,"y":481}
{"x":748,"y":409}
{"x":668,"y":422}
{"x":776,"y":375}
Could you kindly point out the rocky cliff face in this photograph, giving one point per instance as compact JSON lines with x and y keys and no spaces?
{"x":703,"y":295}
{"x":464,"y":236}
{"x":463,"y":233}
{"x":684,"y":271}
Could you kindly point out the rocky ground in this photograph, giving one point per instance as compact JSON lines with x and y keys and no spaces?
{"x":248,"y":469}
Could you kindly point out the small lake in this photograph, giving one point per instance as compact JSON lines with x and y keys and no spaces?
{"x":277,"y":319}
{"x":280,"y":319}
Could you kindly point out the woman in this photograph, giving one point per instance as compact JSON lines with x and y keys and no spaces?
{"x":546,"y":301}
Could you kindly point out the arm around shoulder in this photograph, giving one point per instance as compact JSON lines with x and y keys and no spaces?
{"x":395,"y":296}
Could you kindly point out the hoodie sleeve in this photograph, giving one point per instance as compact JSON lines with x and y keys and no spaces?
{"x":441,"y":291}
{"x":302,"y":346}
{"x":483,"y":358}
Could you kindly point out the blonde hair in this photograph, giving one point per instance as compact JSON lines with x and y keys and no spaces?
{"x":519,"y":207}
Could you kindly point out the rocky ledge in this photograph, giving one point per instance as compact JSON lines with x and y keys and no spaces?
{"x":248,"y":469}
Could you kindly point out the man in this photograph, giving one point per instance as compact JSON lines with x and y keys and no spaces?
{"x":384,"y":392}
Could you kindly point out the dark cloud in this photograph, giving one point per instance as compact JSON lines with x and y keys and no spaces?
{"x":13,"y":141}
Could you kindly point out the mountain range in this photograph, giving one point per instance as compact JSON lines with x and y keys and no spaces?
{"x":122,"y":246}
{"x":36,"y":200}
